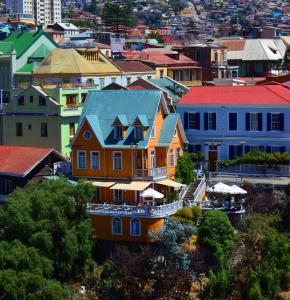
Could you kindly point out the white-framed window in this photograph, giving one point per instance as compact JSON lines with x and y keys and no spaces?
{"x":81,"y":159}
{"x":275,"y":121}
{"x":254,"y":121}
{"x":171,"y":158}
{"x":118,"y":132}
{"x":116,"y":226}
{"x":193,"y":121}
{"x":139,"y":132}
{"x":135,"y":227}
{"x":118,"y":195}
{"x":153,"y":132}
{"x":177,"y":154}
{"x":117,"y":161}
{"x":153,"y":159}
{"x":95,"y":160}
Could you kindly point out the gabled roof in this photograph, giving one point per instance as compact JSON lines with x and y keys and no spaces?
{"x":237,"y":95}
{"x":161,"y":57}
{"x":23,"y":40}
{"x":28,"y":68}
{"x":168,"y":129}
{"x":133,"y":66}
{"x":123,"y":120}
{"x":64,"y":61}
{"x":255,"y":49}
{"x":102,"y":107}
{"x":19,"y":161}
{"x":41,"y":52}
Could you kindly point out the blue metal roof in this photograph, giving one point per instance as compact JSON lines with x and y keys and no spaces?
{"x":103,"y":107}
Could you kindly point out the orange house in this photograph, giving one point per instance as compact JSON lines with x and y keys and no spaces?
{"x":127,"y":142}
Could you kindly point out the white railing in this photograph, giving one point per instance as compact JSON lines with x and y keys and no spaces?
{"x":154,"y":173}
{"x":134,"y":211}
{"x":233,"y":208}
{"x":200,"y":188}
{"x":182,"y":192}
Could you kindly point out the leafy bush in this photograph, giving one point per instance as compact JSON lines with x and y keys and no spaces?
{"x":197,"y":156}
{"x":188,"y":215}
{"x":257,"y":157}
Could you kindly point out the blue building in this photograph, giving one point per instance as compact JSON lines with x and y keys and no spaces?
{"x":227,"y":121}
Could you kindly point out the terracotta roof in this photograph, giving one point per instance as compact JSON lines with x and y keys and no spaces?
{"x":19,"y":161}
{"x":133,"y":66}
{"x":160,"y":57}
{"x":237,"y":95}
{"x":135,"y":33}
{"x":233,"y":45}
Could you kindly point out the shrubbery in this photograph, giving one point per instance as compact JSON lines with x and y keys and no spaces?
{"x":257,"y":157}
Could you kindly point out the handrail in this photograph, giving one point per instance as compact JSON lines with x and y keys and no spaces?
{"x":153,"y":172}
{"x":128,"y":210}
{"x":199,"y":189}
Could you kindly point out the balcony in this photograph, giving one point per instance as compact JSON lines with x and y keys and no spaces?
{"x":155,"y":173}
{"x":160,"y":211}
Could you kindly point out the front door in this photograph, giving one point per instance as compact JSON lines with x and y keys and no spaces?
{"x":212,"y":157}
{"x":138,"y":160}
{"x":153,"y":159}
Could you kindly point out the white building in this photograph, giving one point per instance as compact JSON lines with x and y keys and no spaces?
{"x":44,"y":11}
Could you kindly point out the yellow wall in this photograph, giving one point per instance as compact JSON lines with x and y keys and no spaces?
{"x":103,"y":228}
{"x":158,"y":69}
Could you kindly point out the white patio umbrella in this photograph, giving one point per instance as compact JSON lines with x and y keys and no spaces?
{"x":220,"y":188}
{"x":236,"y":190}
{"x":151,"y":193}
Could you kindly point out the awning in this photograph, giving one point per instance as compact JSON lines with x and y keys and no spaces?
{"x":171,"y":183}
{"x":102,"y":183}
{"x":131,"y":186}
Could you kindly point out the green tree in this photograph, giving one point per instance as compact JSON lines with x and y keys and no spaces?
{"x":216,"y":232}
{"x":155,"y":35}
{"x":51,"y":216}
{"x":118,"y":13}
{"x":92,"y":7}
{"x":185,"y":169}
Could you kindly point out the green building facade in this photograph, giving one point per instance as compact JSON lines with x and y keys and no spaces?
{"x":43,"y":117}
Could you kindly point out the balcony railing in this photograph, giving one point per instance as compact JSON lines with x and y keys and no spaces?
{"x":134,"y":211}
{"x":155,"y":173}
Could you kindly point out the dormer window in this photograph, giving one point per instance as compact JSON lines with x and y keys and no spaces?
{"x":118,"y":132}
{"x":139,"y":132}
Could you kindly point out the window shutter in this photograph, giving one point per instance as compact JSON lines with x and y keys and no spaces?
{"x":260,"y":121}
{"x":247,"y":149}
{"x":247,"y":121}
{"x":282,"y":149}
{"x":198,"y":121}
{"x":233,"y":121}
{"x":269,"y":122}
{"x":205,"y":121}
{"x":231,"y":152}
{"x":185,"y":121}
{"x":281,"y":122}
{"x":268,"y":149}
{"x":214,"y":121}
{"x":240,"y":150}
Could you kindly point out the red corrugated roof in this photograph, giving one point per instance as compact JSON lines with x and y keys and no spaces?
{"x":237,"y":95}
{"x":233,"y":45}
{"x":133,"y":66}
{"x":20,"y":160}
